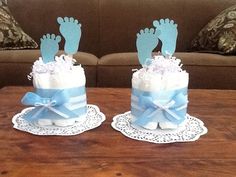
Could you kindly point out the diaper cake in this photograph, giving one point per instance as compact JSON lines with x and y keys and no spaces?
{"x":59,"y":98}
{"x":159,"y":96}
{"x":159,"y":88}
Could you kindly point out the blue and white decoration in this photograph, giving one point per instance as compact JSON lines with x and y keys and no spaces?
{"x":70,"y":29}
{"x":58,"y":105}
{"x":55,"y":104}
{"x":159,"y":97}
{"x":49,"y":47}
{"x":159,"y":107}
{"x":164,"y":106}
{"x":190,"y":131}
{"x":94,"y":118}
{"x":147,"y":40}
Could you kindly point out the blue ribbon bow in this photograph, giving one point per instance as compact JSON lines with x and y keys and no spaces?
{"x":174,"y":110}
{"x":53,"y":105}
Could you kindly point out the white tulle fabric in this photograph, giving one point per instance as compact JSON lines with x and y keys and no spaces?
{"x":93,"y":119}
{"x":191,"y":130}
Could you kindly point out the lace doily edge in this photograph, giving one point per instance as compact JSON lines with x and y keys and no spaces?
{"x":204,"y":130}
{"x":17,"y":127}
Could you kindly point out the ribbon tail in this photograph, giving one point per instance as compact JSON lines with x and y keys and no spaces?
{"x":63,"y":112}
{"x":34,"y":114}
{"x":145,"y":117}
{"x":58,"y":112}
{"x":175,"y":116}
{"x":176,"y":113}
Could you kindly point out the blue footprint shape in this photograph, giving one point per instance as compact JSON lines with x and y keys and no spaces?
{"x":49,"y":47}
{"x":168,"y":35}
{"x":70,"y":29}
{"x":146,"y":42}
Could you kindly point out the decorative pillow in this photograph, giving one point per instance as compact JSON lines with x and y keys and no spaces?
{"x":219,"y":35}
{"x":11,"y":34}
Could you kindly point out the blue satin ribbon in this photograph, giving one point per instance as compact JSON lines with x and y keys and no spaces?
{"x":49,"y":103}
{"x":172,"y":104}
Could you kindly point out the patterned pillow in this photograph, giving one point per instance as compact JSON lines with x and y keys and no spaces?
{"x":11,"y":34}
{"x":219,"y":35}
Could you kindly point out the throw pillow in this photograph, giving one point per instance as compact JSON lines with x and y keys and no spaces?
{"x":219,"y":35}
{"x":11,"y":34}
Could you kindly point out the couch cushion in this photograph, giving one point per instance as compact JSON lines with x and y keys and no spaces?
{"x":29,"y":56}
{"x":188,"y":58}
{"x":11,"y":34}
{"x":219,"y":35}
{"x":115,"y":70}
{"x":17,"y":64}
{"x":206,"y":59}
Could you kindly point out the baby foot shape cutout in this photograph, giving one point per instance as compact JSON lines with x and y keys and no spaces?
{"x":168,"y":35}
{"x":70,"y":29}
{"x":146,"y":42}
{"x":49,"y":47}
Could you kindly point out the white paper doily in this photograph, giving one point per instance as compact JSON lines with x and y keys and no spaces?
{"x":94,"y":118}
{"x":191,"y":130}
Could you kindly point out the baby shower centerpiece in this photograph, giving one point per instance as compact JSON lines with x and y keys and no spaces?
{"x":159,"y":96}
{"x":59,"y":100}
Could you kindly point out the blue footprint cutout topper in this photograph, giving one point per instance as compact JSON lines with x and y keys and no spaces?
{"x":146,"y":42}
{"x":49,"y":47}
{"x":70,"y":29}
{"x":168,"y":35}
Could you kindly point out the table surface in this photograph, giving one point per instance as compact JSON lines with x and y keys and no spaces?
{"x":104,"y":152}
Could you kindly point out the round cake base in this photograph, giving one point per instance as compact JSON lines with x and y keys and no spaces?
{"x":93,"y":119}
{"x":190,"y":130}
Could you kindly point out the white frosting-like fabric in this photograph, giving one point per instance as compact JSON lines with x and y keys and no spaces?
{"x":161,"y":74}
{"x":59,"y":74}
